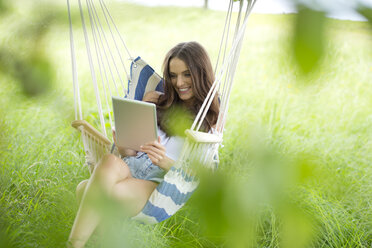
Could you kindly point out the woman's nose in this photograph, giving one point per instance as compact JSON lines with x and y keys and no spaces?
{"x":179,"y":81}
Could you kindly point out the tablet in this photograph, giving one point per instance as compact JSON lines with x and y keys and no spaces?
{"x":135,"y":122}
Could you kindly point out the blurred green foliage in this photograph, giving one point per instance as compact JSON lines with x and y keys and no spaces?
{"x":365,"y":11}
{"x":308,"y":43}
{"x":310,"y":32}
{"x":3,"y":6}
{"x":23,"y":57}
{"x":34,"y":73}
{"x":178,"y":119}
{"x":231,"y":209}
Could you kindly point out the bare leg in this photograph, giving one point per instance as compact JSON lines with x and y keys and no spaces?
{"x":111,"y":177}
{"x":87,"y":217}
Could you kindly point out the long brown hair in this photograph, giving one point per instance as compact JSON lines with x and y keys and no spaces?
{"x":197,"y":60}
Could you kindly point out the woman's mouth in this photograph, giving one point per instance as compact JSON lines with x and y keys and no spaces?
{"x":184,"y":90}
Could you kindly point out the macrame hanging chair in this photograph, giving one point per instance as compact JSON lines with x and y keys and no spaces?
{"x":107,"y":70}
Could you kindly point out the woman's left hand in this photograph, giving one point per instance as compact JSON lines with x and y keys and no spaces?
{"x":156,"y":152}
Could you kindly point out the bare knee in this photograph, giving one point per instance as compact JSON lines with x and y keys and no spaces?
{"x":111,"y":168}
{"x":109,"y":158}
{"x":107,"y":163}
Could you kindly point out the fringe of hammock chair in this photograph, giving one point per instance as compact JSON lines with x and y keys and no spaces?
{"x":199,"y":148}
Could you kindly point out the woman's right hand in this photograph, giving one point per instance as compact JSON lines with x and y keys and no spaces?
{"x":123,"y":151}
{"x":157,"y":153}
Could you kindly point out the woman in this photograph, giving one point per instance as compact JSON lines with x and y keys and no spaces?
{"x":188,"y":76}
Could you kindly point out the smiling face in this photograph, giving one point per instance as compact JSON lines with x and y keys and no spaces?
{"x":187,"y":79}
{"x":180,"y":76}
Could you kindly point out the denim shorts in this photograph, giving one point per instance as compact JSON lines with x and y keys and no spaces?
{"x":141,"y":167}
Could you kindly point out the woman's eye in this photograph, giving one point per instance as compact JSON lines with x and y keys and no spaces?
{"x":187,"y":75}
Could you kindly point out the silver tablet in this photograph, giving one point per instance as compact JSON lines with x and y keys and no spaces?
{"x":135,"y":122}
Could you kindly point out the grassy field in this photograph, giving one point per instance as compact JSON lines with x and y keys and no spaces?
{"x":295,"y":167}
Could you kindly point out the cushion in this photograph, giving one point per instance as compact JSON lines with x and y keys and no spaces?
{"x":143,"y":79}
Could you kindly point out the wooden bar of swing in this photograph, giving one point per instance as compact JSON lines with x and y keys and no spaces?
{"x":91,"y":130}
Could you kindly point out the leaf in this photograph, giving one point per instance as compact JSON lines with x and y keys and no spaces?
{"x":309,"y":38}
{"x":178,"y":120}
{"x":365,"y":11}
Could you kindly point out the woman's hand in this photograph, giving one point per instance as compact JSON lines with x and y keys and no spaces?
{"x":156,"y":152}
{"x":123,"y":151}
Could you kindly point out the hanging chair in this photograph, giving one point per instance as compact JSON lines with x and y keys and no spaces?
{"x":107,"y":70}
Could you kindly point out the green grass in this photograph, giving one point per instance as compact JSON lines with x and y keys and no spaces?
{"x":277,"y":118}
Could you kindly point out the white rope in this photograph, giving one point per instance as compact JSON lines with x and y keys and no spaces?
{"x":184,"y":155}
{"x":226,"y":41}
{"x":99,"y":56}
{"x":237,"y":25}
{"x":104,"y":10}
{"x":211,"y":94}
{"x":206,"y":104}
{"x":98,"y":52}
{"x":231,"y":56}
{"x":110,"y":52}
{"x":208,"y":158}
{"x":117,"y":30}
{"x":208,"y":100}
{"x":227,"y":34}
{"x":212,"y":91}
{"x":77,"y":101}
{"x":104,"y":52}
{"x":238,"y":19}
{"x":100,"y":59}
{"x":228,"y":16}
{"x":228,"y":72}
{"x":92,"y":71}
{"x":89,"y":157}
{"x":223,"y":114}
